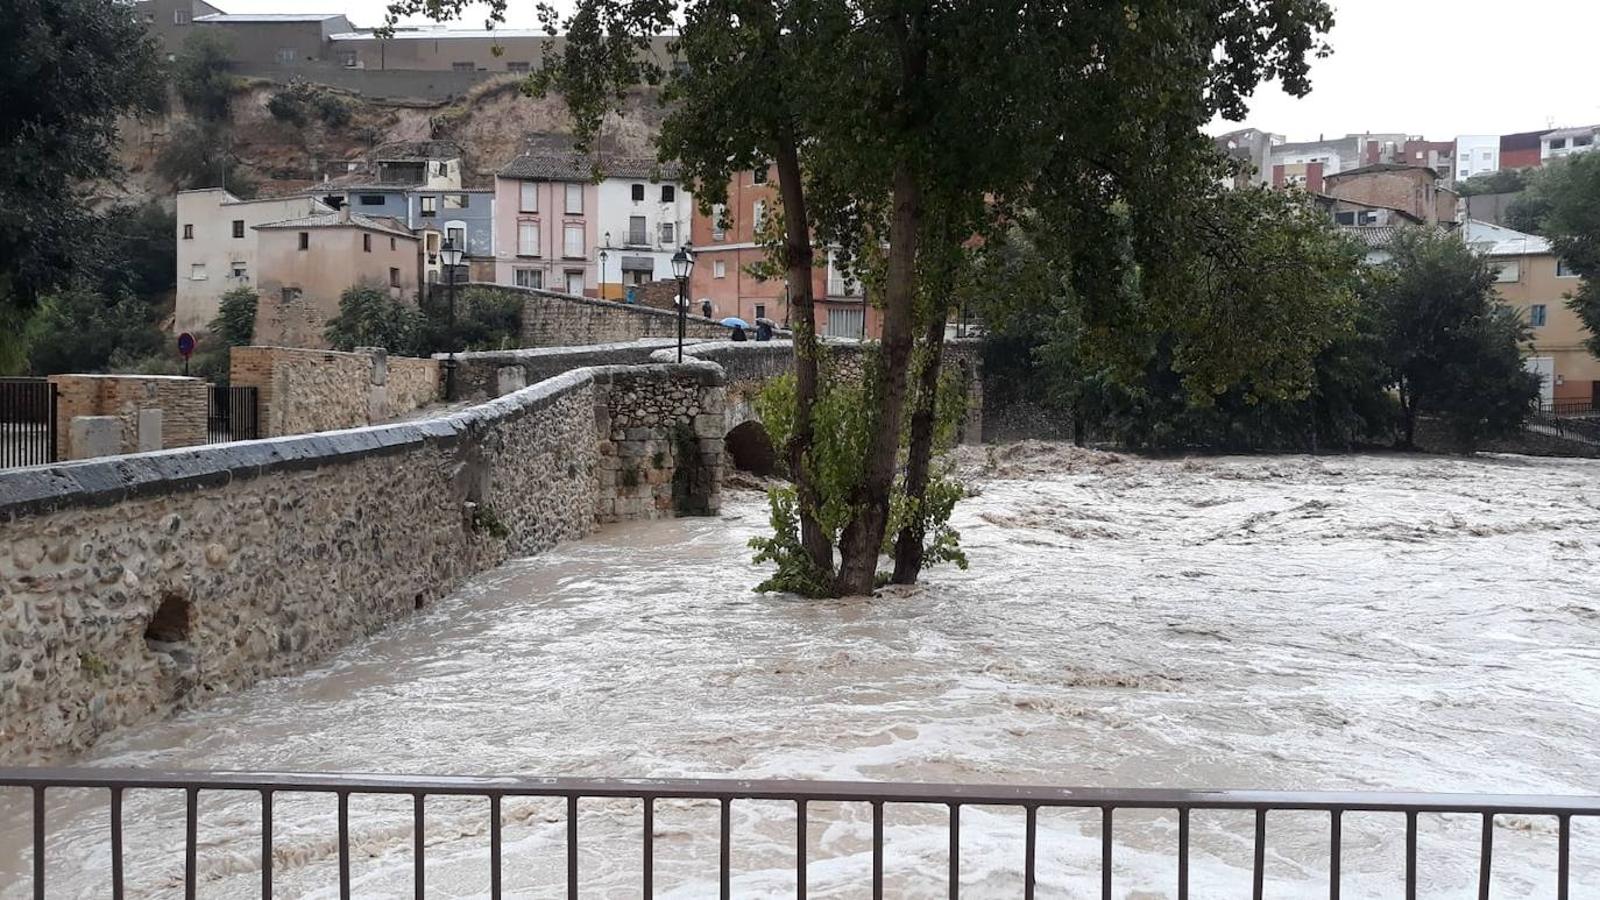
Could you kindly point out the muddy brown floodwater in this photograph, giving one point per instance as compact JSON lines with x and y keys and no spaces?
{"x":1363,"y":622}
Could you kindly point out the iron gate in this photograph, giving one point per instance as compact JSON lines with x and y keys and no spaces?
{"x":27,"y":422}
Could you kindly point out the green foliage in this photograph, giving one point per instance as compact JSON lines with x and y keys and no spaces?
{"x":201,"y":75}
{"x":235,"y":324}
{"x":486,"y":319}
{"x":1505,"y":181}
{"x":1252,"y":343}
{"x":79,"y":330}
{"x":1565,"y":198}
{"x":486,"y":521}
{"x":297,"y":103}
{"x":136,"y":253}
{"x":369,"y":317}
{"x":199,"y":155}
{"x":1451,"y":347}
{"x":68,"y":70}
{"x":835,"y":463}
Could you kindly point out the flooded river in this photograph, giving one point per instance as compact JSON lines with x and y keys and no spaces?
{"x":1374,"y":622}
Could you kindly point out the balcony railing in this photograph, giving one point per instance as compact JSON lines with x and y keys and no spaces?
{"x":952,"y":797}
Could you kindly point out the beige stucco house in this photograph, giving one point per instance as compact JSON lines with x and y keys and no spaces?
{"x":218,"y":247}
{"x":1536,"y":283}
{"x":307,"y":262}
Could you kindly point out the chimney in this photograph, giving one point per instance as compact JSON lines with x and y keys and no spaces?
{"x":344,"y":213}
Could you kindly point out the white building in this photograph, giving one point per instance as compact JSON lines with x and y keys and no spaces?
{"x":217,"y":247}
{"x":1567,"y":141}
{"x":1476,"y":154}
{"x":644,"y":214}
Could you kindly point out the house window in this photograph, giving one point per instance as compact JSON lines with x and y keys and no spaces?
{"x":188,"y":232}
{"x":758,"y":214}
{"x":848,"y":323}
{"x":527,"y":238}
{"x":575,"y":199}
{"x":521,"y":68}
{"x":575,"y":282}
{"x":394,"y":277}
{"x":1536,"y":315}
{"x":457,"y":238}
{"x":441,"y":169}
{"x":238,"y":228}
{"x":305,"y":240}
{"x":286,"y":56}
{"x":572,"y":244}
{"x":638,"y":193}
{"x":366,"y":243}
{"x":371,"y":199}
{"x":290,"y":294}
{"x":1508,"y":272}
{"x":667,"y":232}
{"x":529,"y":278}
{"x":180,"y":16}
{"x":391,"y":244}
{"x":1344,"y":218}
{"x":430,"y":207}
{"x":197,"y":272}
{"x":761,"y":311}
{"x":455,"y":201}
{"x":1582,"y":141}
{"x":464,"y":67}
{"x":1558,"y":143}
{"x":530,"y":196}
{"x":636,"y":230}
{"x":669,"y":194}
{"x":348,"y":58}
{"x":758,"y":176}
{"x":719,"y":231}
{"x":240,"y":271}
{"x":1563,"y":270}
{"x":719,"y":269}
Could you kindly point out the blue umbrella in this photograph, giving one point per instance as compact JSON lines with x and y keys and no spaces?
{"x":735,"y":322}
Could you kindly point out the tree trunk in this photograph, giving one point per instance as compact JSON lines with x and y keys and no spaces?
{"x":798,"y":256}
{"x":909,"y":542}
{"x":861,"y":540}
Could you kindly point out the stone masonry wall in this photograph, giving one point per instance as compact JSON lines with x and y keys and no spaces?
{"x":134,"y":586}
{"x":480,"y":374}
{"x":302,"y":391}
{"x":182,"y":401}
{"x":661,"y":430}
{"x":550,"y":319}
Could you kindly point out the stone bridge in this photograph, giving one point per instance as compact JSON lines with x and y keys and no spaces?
{"x":747,"y":366}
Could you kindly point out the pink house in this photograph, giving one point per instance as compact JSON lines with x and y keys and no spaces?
{"x":547,"y":219}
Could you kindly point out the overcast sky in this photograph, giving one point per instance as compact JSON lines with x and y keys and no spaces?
{"x":1438,"y":69}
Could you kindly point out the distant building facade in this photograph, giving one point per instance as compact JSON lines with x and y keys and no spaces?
{"x":644,"y":214}
{"x":218,"y":247}
{"x":1521,"y":150}
{"x":547,"y":222}
{"x":309,"y":261}
{"x":1568,"y":141}
{"x":1476,"y":154}
{"x":1532,"y":280}
{"x":1402,"y":192}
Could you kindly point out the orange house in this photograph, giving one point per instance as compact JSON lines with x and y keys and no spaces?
{"x":726,"y":249}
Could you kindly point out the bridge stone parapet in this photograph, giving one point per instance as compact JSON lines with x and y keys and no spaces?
{"x":551,"y":319}
{"x":135,"y":585}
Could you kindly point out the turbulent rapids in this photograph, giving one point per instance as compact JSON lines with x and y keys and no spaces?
{"x":1346,"y":622}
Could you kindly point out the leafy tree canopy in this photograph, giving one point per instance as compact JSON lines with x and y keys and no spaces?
{"x":1505,"y":181}
{"x":1563,"y":204}
{"x":68,"y":69}
{"x":201,"y":75}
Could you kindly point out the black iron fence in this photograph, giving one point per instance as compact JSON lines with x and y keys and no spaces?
{"x":232,"y":414}
{"x":27,"y":422}
{"x":1569,"y":418}
{"x":952,"y":797}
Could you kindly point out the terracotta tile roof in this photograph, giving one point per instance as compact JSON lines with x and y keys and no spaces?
{"x":339,"y":220}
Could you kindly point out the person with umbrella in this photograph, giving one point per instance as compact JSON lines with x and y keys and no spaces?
{"x":764,"y":329}
{"x":738,"y":325}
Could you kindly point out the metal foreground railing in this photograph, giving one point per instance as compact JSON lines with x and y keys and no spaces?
{"x":800,"y":793}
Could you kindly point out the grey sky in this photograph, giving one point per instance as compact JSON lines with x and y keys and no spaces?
{"x":1435,"y":69}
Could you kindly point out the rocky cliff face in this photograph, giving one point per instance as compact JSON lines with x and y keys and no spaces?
{"x":490,"y":123}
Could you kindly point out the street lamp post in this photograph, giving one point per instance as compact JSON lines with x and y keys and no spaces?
{"x":604,"y":294}
{"x":450,"y":255}
{"x":682,"y":265}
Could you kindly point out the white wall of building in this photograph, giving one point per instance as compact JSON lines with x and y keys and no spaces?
{"x":211,"y":260}
{"x":1476,"y":154}
{"x":1567,"y":141}
{"x":665,"y":229}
